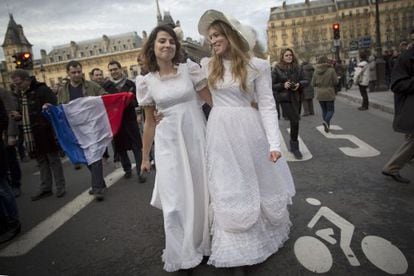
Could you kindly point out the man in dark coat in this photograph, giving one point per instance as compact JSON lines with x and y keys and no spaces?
{"x":402,"y":84}
{"x":128,"y":137}
{"x":9,"y":218}
{"x":38,"y":132}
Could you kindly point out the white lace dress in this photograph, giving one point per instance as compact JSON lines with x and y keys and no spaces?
{"x":180,"y":188}
{"x":249,"y":194}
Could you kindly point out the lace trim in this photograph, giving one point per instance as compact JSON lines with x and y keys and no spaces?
{"x":171,"y":267}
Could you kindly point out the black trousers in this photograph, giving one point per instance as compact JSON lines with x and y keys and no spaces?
{"x":293,"y":115}
{"x":364,"y":95}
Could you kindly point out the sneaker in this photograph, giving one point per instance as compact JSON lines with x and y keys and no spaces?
{"x":142,"y":178}
{"x":77,"y":167}
{"x":127,"y":175}
{"x":60,"y":193}
{"x":298,"y":155}
{"x":362,"y":108}
{"x":91,"y":192}
{"x":41,"y":195}
{"x":99,"y":195}
{"x":326,"y":127}
{"x":11,"y":232}
{"x":16,"y":191}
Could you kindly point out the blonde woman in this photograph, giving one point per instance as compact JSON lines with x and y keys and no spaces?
{"x":250,"y":184}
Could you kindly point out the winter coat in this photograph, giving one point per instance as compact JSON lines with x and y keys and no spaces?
{"x":280,"y":75}
{"x":402,"y":84}
{"x":324,"y":81}
{"x":10,"y":103}
{"x":37,"y":95}
{"x":3,"y":127}
{"x":90,"y":88}
{"x":361,"y":75}
{"x":308,"y":91}
{"x":128,"y":134}
{"x":372,"y":70}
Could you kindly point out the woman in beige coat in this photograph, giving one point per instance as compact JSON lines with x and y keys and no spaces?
{"x":324,"y":81}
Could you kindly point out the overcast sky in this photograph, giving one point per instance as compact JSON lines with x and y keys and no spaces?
{"x":48,"y":23}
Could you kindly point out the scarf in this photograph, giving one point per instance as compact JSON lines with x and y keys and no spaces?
{"x":26,"y":125}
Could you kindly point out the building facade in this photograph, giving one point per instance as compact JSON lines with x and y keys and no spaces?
{"x":307,"y":27}
{"x":93,"y":53}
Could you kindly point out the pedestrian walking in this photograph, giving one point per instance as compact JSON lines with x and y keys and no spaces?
{"x":288,"y":82}
{"x":308,"y":91}
{"x":128,"y":137}
{"x":250,"y":184}
{"x":402,"y":84}
{"x":324,"y":82}
{"x":361,"y":78}
{"x":75,"y":88}
{"x":9,"y":217}
{"x":38,"y":133}
{"x":180,"y":188}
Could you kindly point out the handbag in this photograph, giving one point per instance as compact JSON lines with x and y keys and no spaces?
{"x":283,"y":96}
{"x":404,"y":119}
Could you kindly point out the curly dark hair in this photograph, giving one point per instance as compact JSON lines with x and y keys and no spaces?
{"x":150,"y":61}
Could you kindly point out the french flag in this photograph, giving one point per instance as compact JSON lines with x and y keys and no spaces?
{"x":85,"y":126}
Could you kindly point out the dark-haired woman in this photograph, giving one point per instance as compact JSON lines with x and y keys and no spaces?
{"x":287,"y":82}
{"x":180,"y":188}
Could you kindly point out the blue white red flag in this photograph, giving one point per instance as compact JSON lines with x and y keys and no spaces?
{"x":85,"y":126}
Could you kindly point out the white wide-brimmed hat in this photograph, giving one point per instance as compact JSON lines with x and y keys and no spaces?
{"x":246,"y":33}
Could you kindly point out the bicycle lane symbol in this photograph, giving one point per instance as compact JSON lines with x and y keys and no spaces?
{"x":315,"y":256}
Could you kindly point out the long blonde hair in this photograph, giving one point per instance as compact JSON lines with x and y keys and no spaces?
{"x":239,"y":58}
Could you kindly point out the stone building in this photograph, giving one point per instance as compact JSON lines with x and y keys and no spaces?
{"x":97,"y":52}
{"x":306,"y":27}
{"x":14,"y":42}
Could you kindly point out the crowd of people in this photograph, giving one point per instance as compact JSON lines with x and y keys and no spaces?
{"x":235,"y":217}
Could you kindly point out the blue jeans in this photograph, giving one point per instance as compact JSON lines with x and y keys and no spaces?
{"x":8,"y":206}
{"x":328,"y":110}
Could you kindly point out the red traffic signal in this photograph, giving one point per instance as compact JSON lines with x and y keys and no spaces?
{"x":336,"y":31}
{"x":23,"y":60}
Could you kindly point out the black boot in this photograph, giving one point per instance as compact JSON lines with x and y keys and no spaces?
{"x":294,"y":148}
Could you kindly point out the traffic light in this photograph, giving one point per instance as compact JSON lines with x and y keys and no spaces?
{"x":336,"y":31}
{"x":27,"y":62}
{"x":23,"y":60}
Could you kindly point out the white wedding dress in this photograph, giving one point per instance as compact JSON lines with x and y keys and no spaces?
{"x":180,"y":188}
{"x":249,"y":194}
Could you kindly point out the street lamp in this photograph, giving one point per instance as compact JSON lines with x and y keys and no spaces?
{"x":42,"y":69}
{"x":380,"y":62}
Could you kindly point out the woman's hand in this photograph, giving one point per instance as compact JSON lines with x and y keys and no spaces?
{"x":287,"y":85}
{"x":158,"y":117}
{"x":275,"y":155}
{"x":145,"y":166}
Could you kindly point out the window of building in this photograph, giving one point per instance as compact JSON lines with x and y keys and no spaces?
{"x":51,"y":60}
{"x":81,"y":54}
{"x":59,"y":58}
{"x":114,"y":47}
{"x":124,"y":46}
{"x":91,"y":53}
{"x":68,"y":56}
{"x":272,"y":24}
{"x":100,"y":50}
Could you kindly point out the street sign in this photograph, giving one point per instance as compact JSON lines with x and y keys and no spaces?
{"x":333,"y":49}
{"x":353,"y":45}
{"x":364,"y":42}
{"x":337,"y":42}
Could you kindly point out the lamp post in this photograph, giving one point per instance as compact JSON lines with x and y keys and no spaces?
{"x":42,"y":69}
{"x":380,"y":62}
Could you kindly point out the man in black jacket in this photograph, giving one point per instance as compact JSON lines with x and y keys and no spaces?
{"x":128,"y":137}
{"x":38,"y":133}
{"x":9,"y":218}
{"x":402,"y":84}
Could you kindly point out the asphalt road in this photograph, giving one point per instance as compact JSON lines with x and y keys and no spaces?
{"x":360,"y":210}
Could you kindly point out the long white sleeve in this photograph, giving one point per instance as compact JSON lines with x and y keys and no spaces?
{"x":266,"y":102}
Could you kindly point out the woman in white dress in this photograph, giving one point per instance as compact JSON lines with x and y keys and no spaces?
{"x":250,"y":184}
{"x":180,"y":188}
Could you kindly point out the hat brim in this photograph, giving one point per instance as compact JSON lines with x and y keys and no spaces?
{"x":211,"y":16}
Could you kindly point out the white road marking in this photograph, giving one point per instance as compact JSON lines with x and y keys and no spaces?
{"x":33,"y":237}
{"x":288,"y":155}
{"x":313,"y":254}
{"x":384,"y":255}
{"x":362,"y":149}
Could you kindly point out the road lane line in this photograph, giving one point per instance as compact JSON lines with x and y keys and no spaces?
{"x":26,"y":242}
